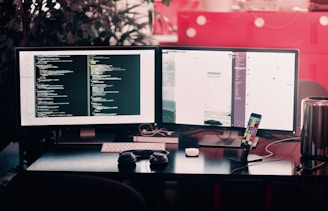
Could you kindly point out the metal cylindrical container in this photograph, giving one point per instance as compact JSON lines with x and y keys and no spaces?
{"x":314,"y":135}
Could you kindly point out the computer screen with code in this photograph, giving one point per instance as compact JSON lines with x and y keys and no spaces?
{"x":86,"y":85}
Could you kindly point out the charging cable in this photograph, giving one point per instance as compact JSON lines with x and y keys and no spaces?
{"x":151,"y":130}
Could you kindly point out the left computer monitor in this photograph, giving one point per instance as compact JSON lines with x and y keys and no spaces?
{"x":86,"y":86}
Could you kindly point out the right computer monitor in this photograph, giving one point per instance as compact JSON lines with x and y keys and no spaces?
{"x":221,"y":87}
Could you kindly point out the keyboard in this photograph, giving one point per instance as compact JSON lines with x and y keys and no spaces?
{"x":124,"y":146}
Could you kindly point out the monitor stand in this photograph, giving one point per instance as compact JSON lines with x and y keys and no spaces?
{"x":229,"y":139}
{"x":87,"y":133}
{"x":85,"y":136}
{"x":245,"y":157}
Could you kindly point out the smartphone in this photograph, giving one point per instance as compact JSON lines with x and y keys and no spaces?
{"x":251,"y":129}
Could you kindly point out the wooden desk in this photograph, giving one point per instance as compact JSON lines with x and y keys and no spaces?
{"x":210,"y":164}
{"x":272,"y":183}
{"x":212,"y":169}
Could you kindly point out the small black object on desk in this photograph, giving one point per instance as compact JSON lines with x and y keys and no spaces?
{"x":130,"y":157}
{"x":245,"y":156}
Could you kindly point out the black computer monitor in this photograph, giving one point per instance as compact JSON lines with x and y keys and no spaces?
{"x":87,"y":87}
{"x":215,"y":87}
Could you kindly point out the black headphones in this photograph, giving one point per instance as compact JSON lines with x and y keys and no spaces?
{"x":156,"y":157}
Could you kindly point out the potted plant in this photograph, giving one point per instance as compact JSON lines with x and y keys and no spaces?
{"x":64,"y":23}
{"x":78,"y":22}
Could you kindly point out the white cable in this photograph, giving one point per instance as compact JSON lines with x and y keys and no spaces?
{"x":266,"y":156}
{"x":276,"y":142}
{"x":150,"y":130}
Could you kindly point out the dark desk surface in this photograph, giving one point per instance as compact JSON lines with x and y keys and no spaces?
{"x":211,"y":163}
{"x":272,"y":182}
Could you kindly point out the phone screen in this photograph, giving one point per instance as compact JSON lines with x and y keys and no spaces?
{"x":251,"y":129}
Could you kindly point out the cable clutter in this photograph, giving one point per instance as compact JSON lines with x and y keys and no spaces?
{"x":151,"y":130}
{"x":309,"y":166}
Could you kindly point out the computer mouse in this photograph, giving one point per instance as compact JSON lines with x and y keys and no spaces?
{"x":192,"y":152}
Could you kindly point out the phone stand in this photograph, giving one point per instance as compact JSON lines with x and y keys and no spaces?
{"x":245,"y":156}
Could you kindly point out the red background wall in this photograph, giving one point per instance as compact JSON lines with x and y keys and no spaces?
{"x":306,"y":31}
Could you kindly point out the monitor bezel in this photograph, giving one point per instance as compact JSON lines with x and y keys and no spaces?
{"x":104,"y":126}
{"x":266,"y":132}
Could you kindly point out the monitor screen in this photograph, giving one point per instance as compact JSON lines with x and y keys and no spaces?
{"x":86,"y":85}
{"x":221,"y":87}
